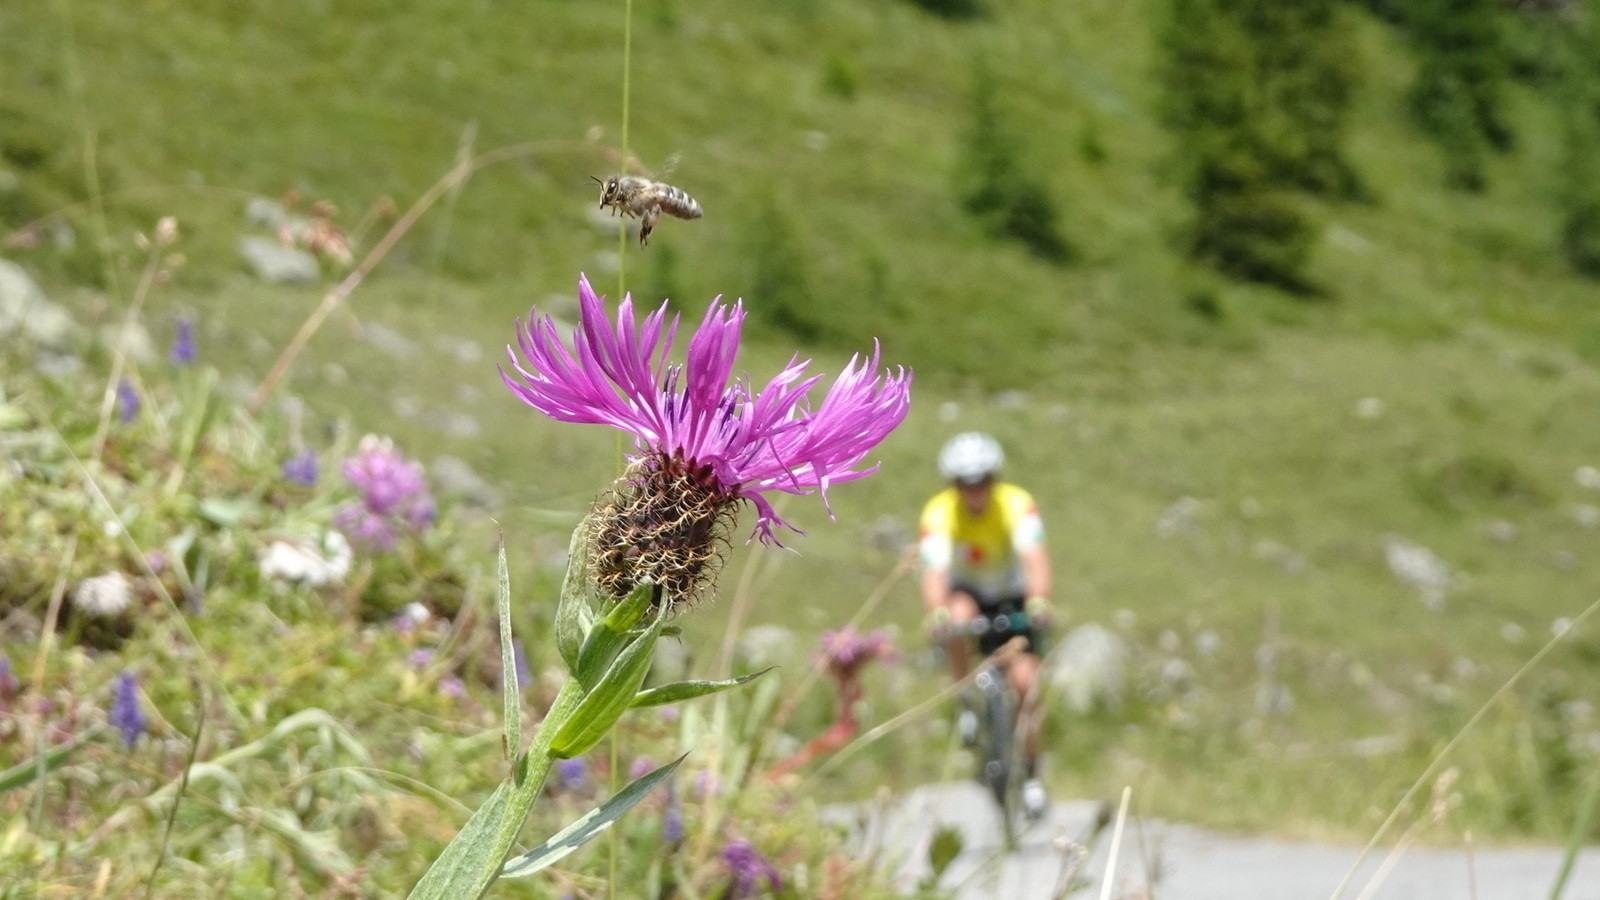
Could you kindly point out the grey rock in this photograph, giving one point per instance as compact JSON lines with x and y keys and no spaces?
{"x":387,"y":339}
{"x":453,"y":476}
{"x":25,"y":310}
{"x":1091,"y":668}
{"x":132,"y":338}
{"x":766,"y":645}
{"x":276,"y":264}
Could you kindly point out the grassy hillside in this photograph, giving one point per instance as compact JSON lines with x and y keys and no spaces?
{"x":822,"y":138}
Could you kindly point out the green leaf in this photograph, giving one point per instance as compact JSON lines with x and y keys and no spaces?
{"x":609,"y":699}
{"x":627,"y":614}
{"x":510,"y":692}
{"x":463,"y":869}
{"x":688,"y":690}
{"x":226,"y":513}
{"x":575,"y":613}
{"x":48,"y":761}
{"x":609,"y":635}
{"x":589,"y":825}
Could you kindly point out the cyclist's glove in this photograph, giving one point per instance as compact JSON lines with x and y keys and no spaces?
{"x":1039,"y":611}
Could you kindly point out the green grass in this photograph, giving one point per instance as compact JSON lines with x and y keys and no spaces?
{"x":1456,"y":310}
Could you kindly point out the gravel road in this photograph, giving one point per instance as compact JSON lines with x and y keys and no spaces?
{"x":1168,"y":861}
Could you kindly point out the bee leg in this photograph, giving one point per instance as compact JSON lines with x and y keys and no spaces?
{"x":647,"y":224}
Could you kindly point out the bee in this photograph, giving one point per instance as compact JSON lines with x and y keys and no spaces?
{"x":635,"y":196}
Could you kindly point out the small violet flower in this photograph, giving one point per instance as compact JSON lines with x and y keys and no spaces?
{"x":520,"y":660}
{"x":10,"y":687}
{"x":453,"y":687}
{"x":126,"y":715}
{"x":302,"y":468}
{"x":183,"y":346}
{"x":705,"y":441}
{"x":127,"y":402}
{"x":572,"y":774}
{"x":672,"y":818}
{"x":747,"y":867}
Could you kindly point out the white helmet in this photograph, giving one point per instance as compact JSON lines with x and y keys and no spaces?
{"x":970,"y":457}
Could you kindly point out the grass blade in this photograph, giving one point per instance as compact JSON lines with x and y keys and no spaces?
{"x":510,"y":691}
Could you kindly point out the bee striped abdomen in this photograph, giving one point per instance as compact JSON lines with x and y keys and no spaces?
{"x":678,"y":203}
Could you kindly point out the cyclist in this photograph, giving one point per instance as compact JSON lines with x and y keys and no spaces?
{"x":983,"y":552}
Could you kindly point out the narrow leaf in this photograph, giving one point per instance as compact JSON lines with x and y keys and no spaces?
{"x":510,"y":691}
{"x":574,"y":615}
{"x":48,"y":761}
{"x":688,"y":690}
{"x":589,"y":825}
{"x":609,"y":699}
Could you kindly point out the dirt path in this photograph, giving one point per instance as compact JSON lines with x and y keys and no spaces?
{"x":1180,"y":862}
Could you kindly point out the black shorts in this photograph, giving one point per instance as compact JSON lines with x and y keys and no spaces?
{"x":991,"y":606}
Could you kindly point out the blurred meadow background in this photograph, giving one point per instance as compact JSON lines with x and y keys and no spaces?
{"x":1286,"y":313}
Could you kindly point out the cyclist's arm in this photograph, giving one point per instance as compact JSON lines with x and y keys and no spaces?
{"x":1036,"y":571}
{"x":1027,"y":539}
{"x":936,"y":551}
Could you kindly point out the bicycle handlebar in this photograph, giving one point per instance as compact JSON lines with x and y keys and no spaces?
{"x":1014,"y":622}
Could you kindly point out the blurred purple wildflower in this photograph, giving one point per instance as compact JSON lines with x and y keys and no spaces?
{"x":10,"y":687}
{"x":420,"y":658}
{"x":689,"y":419}
{"x":183,"y":346}
{"x":572,"y":774}
{"x":126,"y":715}
{"x":302,"y":468}
{"x":520,"y":660}
{"x":672,"y":817}
{"x":127,"y":402}
{"x":394,"y":497}
{"x":453,"y":687}
{"x":641,"y":767}
{"x":747,"y":866}
{"x":845,"y":652}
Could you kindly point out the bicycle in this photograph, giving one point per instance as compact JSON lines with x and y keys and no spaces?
{"x":998,"y":749}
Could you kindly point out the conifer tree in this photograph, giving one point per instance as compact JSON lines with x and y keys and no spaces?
{"x":1258,"y":93}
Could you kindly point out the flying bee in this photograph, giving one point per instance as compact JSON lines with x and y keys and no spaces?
{"x":635,"y":196}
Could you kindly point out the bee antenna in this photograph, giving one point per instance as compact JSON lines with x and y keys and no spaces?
{"x":597,"y":181}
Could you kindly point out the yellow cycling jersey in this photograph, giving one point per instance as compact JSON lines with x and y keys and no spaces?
{"x":982,"y":550}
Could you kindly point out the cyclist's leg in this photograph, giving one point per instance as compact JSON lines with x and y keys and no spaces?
{"x":1023,"y":673}
{"x":963,"y":609}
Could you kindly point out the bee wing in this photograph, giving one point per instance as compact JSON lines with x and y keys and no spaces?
{"x":670,"y":165}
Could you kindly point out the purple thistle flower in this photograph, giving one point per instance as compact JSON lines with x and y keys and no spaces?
{"x":394,"y":496}
{"x":421,"y":658}
{"x":845,"y":652}
{"x":365,"y":528}
{"x":183,"y":346}
{"x":727,"y":437}
{"x":10,"y":687}
{"x":302,"y":468}
{"x":572,"y":774}
{"x":125,"y":715}
{"x":388,"y":482}
{"x":127,"y":402}
{"x":747,"y":866}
